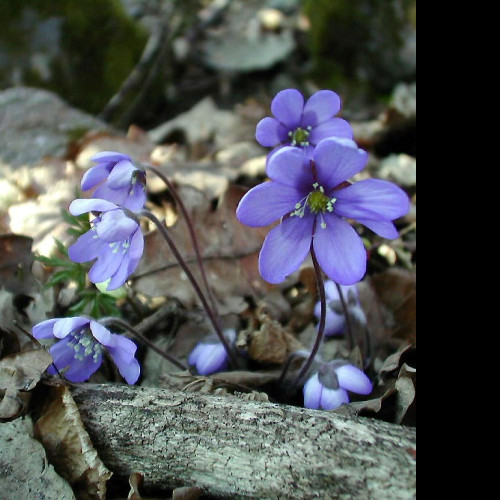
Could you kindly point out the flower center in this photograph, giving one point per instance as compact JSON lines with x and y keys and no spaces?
{"x":318,"y":203}
{"x":300,"y":137}
{"x":85,"y":345}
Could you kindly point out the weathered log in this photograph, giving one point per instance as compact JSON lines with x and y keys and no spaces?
{"x":232,"y":448}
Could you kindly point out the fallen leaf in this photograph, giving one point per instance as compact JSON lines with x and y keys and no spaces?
{"x":406,"y":396}
{"x":25,"y":473}
{"x":135,"y":481}
{"x":268,"y":342}
{"x":20,"y":374}
{"x":69,"y":448}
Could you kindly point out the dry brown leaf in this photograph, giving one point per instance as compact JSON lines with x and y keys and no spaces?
{"x":18,"y":374}
{"x":230,"y":252}
{"x":406,"y":385}
{"x":69,"y":448}
{"x":16,"y":259}
{"x":135,"y":482}
{"x":269,"y":343}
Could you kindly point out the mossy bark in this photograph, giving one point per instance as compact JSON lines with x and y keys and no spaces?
{"x":82,"y":50}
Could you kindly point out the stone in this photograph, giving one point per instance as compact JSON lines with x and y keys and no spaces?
{"x":35,"y":124}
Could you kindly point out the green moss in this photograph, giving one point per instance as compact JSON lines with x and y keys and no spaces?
{"x":358,"y":43}
{"x":98,"y":46}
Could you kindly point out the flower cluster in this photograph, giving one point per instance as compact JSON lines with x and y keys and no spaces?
{"x":78,"y":354}
{"x":311,"y":195}
{"x":115,"y":240}
{"x":328,"y":388}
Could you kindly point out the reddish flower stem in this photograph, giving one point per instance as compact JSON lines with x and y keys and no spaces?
{"x":211,"y":314}
{"x":191,"y":230}
{"x":322,"y":323}
{"x":125,"y":326}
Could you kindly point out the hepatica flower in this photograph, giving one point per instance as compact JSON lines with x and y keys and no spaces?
{"x":335,"y":318}
{"x":119,"y":180}
{"x":303,"y":124}
{"x":328,"y":388}
{"x":82,"y":342}
{"x":115,"y":240}
{"x":311,"y":200}
{"x":210,"y":356}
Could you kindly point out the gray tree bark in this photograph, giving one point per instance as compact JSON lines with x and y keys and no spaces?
{"x":232,"y":448}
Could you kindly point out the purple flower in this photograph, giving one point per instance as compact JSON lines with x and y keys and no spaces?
{"x":125,"y":184}
{"x":311,"y":200}
{"x":335,"y":318}
{"x":82,"y":342}
{"x":302,"y":124}
{"x":211,"y":357}
{"x":327,"y":389}
{"x":115,"y":240}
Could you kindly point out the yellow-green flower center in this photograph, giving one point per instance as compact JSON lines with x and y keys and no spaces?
{"x":300,"y":137}
{"x":318,"y":202}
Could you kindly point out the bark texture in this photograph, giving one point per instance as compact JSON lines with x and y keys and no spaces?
{"x":232,"y":448}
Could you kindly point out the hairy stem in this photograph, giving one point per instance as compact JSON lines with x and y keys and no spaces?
{"x":125,"y":326}
{"x":190,"y":225}
{"x":211,"y":314}
{"x":322,"y":323}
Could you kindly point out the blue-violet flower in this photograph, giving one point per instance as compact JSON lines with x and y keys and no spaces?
{"x":311,"y":200}
{"x":115,"y":240}
{"x":210,"y":356}
{"x":303,"y":124}
{"x":82,"y":342}
{"x":335,"y":318}
{"x":125,"y":183}
{"x":327,"y":388}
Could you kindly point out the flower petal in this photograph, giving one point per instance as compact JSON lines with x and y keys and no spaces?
{"x":335,"y":323}
{"x":290,"y":166}
{"x":123,"y":354}
{"x":136,"y":198}
{"x":110,"y":156}
{"x":62,"y":354}
{"x":267,"y":203}
{"x":321,"y":107}
{"x":340,"y":251}
{"x":372,"y":199}
{"x":116,"y":196}
{"x":288,"y":107}
{"x":352,"y":379}
{"x":337,"y":160}
{"x":382,"y":228}
{"x":82,"y":370}
{"x":106,"y":265}
{"x":270,"y":133}
{"x":336,"y":127}
{"x":213,"y":359}
{"x":116,"y":226}
{"x":95,"y":175}
{"x":195,"y":354}
{"x":79,"y":207}
{"x":121,"y":175}
{"x":66,"y":326}
{"x":101,"y":334}
{"x":312,"y":393}
{"x":285,"y":248}
{"x":332,"y":399}
{"x":121,"y":275}
{"x":45,"y":329}
{"x":88,"y":247}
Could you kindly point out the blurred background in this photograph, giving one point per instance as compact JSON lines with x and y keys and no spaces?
{"x":145,"y":61}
